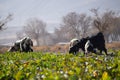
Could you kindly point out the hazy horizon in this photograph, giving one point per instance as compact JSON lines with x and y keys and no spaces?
{"x":50,"y":11}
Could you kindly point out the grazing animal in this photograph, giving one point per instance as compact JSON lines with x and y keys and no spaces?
{"x":89,"y":47}
{"x":23,"y":45}
{"x":81,"y":44}
{"x":13,"y":49}
{"x":97,"y":41}
{"x":73,"y":42}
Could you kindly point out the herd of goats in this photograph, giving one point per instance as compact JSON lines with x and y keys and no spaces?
{"x":88,"y":44}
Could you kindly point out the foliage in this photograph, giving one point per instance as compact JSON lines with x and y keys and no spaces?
{"x":50,"y":66}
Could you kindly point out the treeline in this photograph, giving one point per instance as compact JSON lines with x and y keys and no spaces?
{"x":75,"y":25}
{"x":82,"y":25}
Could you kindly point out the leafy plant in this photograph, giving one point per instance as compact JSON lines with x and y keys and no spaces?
{"x":51,"y":66}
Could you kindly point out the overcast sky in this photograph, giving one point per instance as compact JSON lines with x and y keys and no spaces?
{"x":51,"y":11}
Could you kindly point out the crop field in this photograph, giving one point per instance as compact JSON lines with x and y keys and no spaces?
{"x":51,"y":66}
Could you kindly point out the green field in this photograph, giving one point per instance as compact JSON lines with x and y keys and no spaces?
{"x":50,"y":66}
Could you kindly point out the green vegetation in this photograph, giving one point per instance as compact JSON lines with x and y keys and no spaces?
{"x":49,"y":66}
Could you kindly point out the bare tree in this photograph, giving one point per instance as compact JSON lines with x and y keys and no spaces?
{"x":104,"y":22}
{"x":20,"y":34}
{"x":36,"y":29}
{"x":84,"y":23}
{"x":75,"y":25}
{"x":115,"y":35}
{"x":70,"y":24}
{"x":4,"y":21}
{"x":60,"y":35}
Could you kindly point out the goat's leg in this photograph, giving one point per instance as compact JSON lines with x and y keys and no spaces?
{"x":105,"y":50}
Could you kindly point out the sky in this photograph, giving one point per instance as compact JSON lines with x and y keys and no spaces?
{"x":50,"y":11}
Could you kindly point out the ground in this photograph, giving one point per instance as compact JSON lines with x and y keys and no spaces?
{"x":43,"y":64}
{"x":61,"y":48}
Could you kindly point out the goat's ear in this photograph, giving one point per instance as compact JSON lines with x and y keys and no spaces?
{"x":96,"y":23}
{"x":25,"y":38}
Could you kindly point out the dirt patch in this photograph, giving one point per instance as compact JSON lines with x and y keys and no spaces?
{"x":113,"y":45}
{"x":60,"y":48}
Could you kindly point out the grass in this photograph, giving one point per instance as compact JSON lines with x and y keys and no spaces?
{"x":50,"y":66}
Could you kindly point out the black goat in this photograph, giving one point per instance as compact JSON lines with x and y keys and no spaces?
{"x":97,"y":42}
